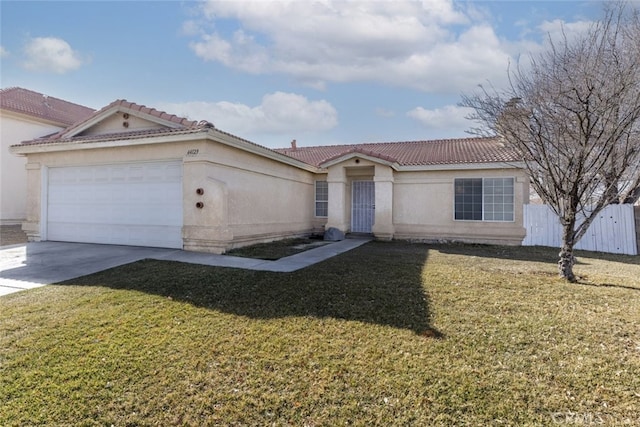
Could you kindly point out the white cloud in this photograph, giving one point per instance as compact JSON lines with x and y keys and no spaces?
{"x":430,"y":45}
{"x":191,"y":28}
{"x":558,"y":28}
{"x":240,"y":52}
{"x":445,"y":118}
{"x":523,"y":50}
{"x":278,"y":113}
{"x":50,"y":54}
{"x":3,"y":52}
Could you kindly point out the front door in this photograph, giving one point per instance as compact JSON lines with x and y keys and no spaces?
{"x":362,"y":206}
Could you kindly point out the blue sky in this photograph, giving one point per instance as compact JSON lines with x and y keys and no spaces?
{"x":321,"y":72}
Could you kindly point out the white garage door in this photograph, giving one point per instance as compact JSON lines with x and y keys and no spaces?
{"x":138,"y":204}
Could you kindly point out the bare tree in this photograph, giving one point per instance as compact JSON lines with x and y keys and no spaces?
{"x":574,"y":116}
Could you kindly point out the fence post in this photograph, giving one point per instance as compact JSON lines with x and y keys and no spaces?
{"x":636,"y":210}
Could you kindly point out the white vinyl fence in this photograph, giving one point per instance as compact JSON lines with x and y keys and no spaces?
{"x":613,"y":230}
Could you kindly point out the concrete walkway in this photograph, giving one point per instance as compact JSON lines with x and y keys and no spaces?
{"x":32,"y":265}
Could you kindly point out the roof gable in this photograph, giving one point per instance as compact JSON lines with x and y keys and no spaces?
{"x":43,"y":107}
{"x":106,"y":128}
{"x":122,"y":116}
{"x":358,"y":152}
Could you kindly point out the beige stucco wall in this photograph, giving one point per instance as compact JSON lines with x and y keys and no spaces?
{"x":120,"y":122}
{"x":340,"y":178}
{"x":255,"y":199}
{"x":423,"y":208}
{"x":15,"y":128}
{"x":246,"y":198}
{"x":419,"y":205}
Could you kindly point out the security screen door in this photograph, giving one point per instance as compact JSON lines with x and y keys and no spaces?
{"x":362,"y":206}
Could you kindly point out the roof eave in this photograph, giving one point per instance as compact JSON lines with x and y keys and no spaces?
{"x":236,"y":142}
{"x":49,"y":147}
{"x":32,"y":117}
{"x":462,"y":166}
{"x":210,"y":134}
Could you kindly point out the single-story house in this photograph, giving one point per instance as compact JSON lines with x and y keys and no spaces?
{"x":25,"y":114}
{"x":133,"y":175}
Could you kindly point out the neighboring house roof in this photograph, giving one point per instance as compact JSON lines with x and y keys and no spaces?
{"x":48,"y":108}
{"x":412,"y":153}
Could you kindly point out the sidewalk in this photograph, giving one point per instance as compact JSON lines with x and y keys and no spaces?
{"x":31,"y":265}
{"x":283,"y":265}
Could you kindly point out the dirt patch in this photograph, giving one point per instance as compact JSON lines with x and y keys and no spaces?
{"x":273,"y":251}
{"x":12,"y":235}
{"x":312,"y":245}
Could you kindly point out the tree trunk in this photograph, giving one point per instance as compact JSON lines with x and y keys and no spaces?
{"x":565,"y":265}
{"x":567,"y":260}
{"x":611,"y":193}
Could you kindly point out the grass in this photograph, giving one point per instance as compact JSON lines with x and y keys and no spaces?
{"x":386,"y":334}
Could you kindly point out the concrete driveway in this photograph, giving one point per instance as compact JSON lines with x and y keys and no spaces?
{"x":32,"y":265}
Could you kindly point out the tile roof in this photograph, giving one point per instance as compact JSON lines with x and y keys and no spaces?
{"x":116,"y":136}
{"x":41,"y":106}
{"x":406,"y":153}
{"x":183,"y":126}
{"x":412,"y":153}
{"x":132,"y":106}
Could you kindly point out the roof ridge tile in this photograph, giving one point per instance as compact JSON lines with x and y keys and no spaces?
{"x":412,"y":153}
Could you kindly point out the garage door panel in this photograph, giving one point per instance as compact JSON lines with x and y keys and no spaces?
{"x":132,"y":235}
{"x":127,"y":204}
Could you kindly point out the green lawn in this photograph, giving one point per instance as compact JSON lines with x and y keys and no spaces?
{"x":386,"y":334}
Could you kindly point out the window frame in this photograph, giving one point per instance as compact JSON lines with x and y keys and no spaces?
{"x":320,"y":201}
{"x":485,"y":202}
